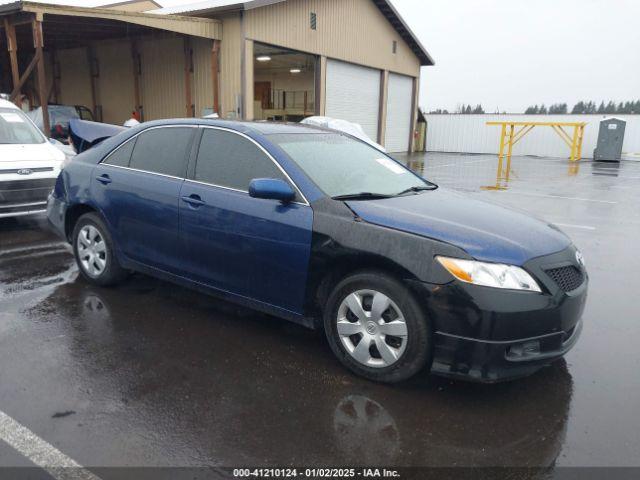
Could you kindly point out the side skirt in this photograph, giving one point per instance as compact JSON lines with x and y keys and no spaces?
{"x":221,"y":294}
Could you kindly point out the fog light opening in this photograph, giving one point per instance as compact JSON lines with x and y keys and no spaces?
{"x":524,"y":350}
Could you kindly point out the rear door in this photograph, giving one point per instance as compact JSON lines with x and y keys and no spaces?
{"x":138,"y":187}
{"x":247,"y":246}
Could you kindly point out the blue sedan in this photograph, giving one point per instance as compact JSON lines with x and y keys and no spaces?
{"x":322,"y":229}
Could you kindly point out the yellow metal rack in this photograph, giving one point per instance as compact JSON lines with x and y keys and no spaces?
{"x":509,"y":136}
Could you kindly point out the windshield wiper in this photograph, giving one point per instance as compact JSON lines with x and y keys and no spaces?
{"x":362,"y":196}
{"x":416,"y":189}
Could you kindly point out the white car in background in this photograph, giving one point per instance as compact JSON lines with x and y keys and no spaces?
{"x":29,"y":164}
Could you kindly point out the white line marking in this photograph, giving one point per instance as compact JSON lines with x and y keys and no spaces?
{"x":41,"y":453}
{"x":569,"y":225}
{"x":563,"y":198}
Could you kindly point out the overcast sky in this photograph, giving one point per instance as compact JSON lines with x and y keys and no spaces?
{"x":509,"y":54}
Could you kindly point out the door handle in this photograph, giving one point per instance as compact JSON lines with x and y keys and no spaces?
{"x":193,"y":200}
{"x":104,"y":179}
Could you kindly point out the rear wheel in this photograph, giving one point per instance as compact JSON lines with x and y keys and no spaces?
{"x":93,"y":249}
{"x":376,"y":328}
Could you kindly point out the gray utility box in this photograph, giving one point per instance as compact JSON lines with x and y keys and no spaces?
{"x":610,"y":139}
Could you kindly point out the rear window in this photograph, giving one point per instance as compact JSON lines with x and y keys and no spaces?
{"x":15,"y":128}
{"x":162,"y":150}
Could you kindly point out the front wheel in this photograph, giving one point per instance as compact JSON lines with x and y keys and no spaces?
{"x":93,"y":249}
{"x":376,"y":328}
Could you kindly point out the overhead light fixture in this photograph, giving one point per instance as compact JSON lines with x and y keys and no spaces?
{"x":263,"y":58}
{"x":295,"y":70}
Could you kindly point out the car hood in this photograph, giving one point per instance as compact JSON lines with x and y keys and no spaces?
{"x":486,"y":231}
{"x":29,"y":156}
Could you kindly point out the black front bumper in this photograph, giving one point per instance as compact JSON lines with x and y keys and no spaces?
{"x":490,"y":335}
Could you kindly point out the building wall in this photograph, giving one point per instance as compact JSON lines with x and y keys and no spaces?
{"x":351,"y":30}
{"x":202,"y":79}
{"x":230,"y":65}
{"x":470,"y":134}
{"x":115,"y":84}
{"x":162,"y":84}
{"x":75,"y":82}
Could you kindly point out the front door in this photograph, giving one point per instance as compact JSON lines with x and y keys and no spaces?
{"x":138,"y":189}
{"x":250,"y":247}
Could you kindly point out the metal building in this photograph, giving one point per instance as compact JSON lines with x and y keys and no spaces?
{"x":257,"y":59}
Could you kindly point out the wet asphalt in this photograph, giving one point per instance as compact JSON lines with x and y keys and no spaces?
{"x":150,"y":374}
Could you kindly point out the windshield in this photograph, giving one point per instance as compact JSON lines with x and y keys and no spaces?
{"x":15,"y":128}
{"x":341,"y":166}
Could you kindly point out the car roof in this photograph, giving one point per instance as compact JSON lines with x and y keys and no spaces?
{"x":7,"y":104}
{"x":258,"y":127}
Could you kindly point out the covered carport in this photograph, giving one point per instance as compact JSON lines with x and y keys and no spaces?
{"x":112,"y":61}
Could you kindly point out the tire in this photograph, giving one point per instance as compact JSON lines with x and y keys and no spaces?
{"x":399,"y":357}
{"x":94,"y":252}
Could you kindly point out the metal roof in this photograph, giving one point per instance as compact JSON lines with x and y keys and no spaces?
{"x":197,"y":27}
{"x":224,"y":6}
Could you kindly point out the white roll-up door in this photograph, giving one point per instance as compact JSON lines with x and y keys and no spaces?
{"x":353,"y":94}
{"x":399,"y":110}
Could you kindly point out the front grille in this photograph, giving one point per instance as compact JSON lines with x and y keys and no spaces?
{"x":31,"y":170}
{"x":25,"y":191}
{"x":568,"y":278}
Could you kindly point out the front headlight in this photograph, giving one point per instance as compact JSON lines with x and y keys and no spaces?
{"x":495,"y":275}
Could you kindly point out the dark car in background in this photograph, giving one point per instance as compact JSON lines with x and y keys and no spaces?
{"x":322,"y":229}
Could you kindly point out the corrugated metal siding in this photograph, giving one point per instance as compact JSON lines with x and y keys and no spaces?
{"x":353,"y":94}
{"x":162,"y":82}
{"x":75,"y":83}
{"x":470,"y":134}
{"x":350,"y":30}
{"x":230,"y":65}
{"x":202,"y":81}
{"x":399,"y":109}
{"x":115,"y":83}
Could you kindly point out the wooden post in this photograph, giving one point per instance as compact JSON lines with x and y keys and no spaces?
{"x":38,"y":43}
{"x":215,"y":79}
{"x":188,"y":69}
{"x":55,"y":75}
{"x":12,"y":47}
{"x":94,"y":76}
{"x":137,"y":67}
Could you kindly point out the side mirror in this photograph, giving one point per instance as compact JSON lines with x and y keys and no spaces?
{"x":272,"y":189}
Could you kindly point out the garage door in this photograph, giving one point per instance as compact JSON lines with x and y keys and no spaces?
{"x":399,"y":109}
{"x":353,"y":94}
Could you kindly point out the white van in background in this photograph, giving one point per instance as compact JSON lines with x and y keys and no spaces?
{"x":29,"y":164}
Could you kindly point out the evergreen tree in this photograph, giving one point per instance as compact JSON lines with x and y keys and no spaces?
{"x":602,"y":108}
{"x":558,"y":108}
{"x":578,"y":108}
{"x":543,"y":110}
{"x":531,"y":110}
{"x":478,"y":109}
{"x":610,"y":108}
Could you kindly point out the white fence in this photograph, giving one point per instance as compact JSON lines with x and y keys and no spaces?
{"x":470,"y":134}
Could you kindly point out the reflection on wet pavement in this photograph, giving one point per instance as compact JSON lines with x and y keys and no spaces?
{"x":152,"y":374}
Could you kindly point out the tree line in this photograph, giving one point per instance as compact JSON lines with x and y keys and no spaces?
{"x":582,"y":107}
